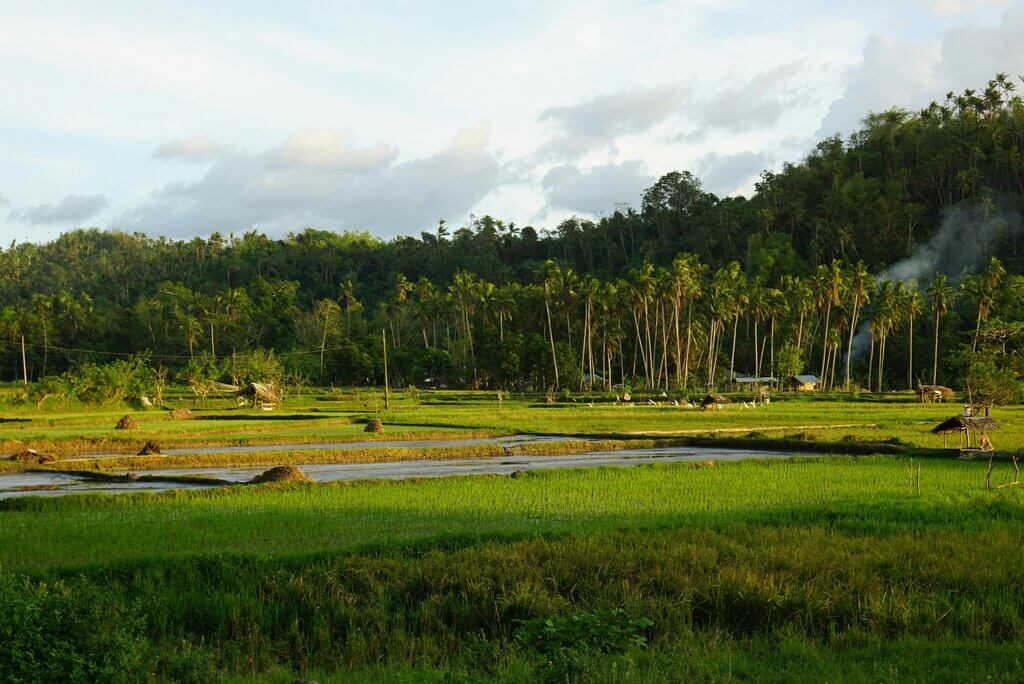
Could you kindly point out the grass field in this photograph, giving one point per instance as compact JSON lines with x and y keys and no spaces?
{"x":827,"y":568}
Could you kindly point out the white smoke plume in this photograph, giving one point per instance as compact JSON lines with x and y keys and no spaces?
{"x":966,"y":238}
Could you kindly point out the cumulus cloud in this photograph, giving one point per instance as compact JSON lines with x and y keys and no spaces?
{"x":598,"y":121}
{"x":731,"y":173}
{"x":194,"y":148}
{"x":73,"y":209}
{"x":741,"y":105}
{"x":754,"y":103}
{"x":324,"y":148}
{"x":597,"y":189}
{"x":910,"y":74}
{"x":951,"y":8}
{"x":293,"y":185}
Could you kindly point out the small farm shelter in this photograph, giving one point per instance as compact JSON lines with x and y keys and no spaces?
{"x":803,"y":383}
{"x":741,"y":380}
{"x":969,"y":429}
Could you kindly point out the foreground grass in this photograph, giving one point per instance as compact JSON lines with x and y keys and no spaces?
{"x":825,"y":568}
{"x":869,"y":495}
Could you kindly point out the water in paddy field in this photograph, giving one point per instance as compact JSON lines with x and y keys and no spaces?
{"x":57,"y":484}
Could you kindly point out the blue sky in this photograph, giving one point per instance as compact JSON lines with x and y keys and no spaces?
{"x":194,"y":118}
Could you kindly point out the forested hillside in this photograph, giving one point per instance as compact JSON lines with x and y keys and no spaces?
{"x":681,"y":291}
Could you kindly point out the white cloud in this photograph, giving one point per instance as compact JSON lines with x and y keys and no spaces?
{"x":599,"y":120}
{"x":750,"y":104}
{"x":731,"y":173}
{"x":241,"y":190}
{"x":194,"y":148}
{"x":4,"y":202}
{"x":910,"y":74}
{"x":324,"y":148}
{"x":70,"y":211}
{"x":596,"y":190}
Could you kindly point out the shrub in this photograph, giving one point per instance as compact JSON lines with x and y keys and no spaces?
{"x":64,"y":632}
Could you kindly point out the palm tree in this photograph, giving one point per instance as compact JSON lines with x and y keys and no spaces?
{"x":912,"y":305}
{"x":883,"y":317}
{"x":828,"y":281}
{"x":687,"y":277}
{"x":465,"y":293}
{"x":588,"y":289}
{"x":800,"y":296}
{"x":551,"y":275}
{"x":982,"y":288}
{"x":941,"y":296}
{"x":738,"y":298}
{"x":861,"y":286}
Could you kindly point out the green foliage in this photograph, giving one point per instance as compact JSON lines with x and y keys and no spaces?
{"x":990,"y":384}
{"x":68,"y":632}
{"x":118,"y":381}
{"x":255,"y":365}
{"x":201,"y":374}
{"x":789,"y":360}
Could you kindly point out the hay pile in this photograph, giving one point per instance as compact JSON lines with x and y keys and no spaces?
{"x":284,"y":473}
{"x":714,"y":399}
{"x":181,"y":414}
{"x":151,"y":448}
{"x":127,"y":423}
{"x":374,"y":426}
{"x":32,"y":456}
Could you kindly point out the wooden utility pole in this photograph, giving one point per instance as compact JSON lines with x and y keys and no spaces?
{"x":384,"y":342}
{"x":24,"y":363}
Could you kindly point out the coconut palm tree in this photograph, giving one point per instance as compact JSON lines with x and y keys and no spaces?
{"x":884,"y":316}
{"x":828,"y":282}
{"x":861,"y":285}
{"x":941,"y":296}
{"x":982,"y":288}
{"x":551,"y":276}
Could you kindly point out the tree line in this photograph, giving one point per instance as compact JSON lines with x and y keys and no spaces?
{"x":683,"y":292}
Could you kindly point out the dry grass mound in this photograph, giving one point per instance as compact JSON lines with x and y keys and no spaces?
{"x":181,"y":414}
{"x":284,"y":473}
{"x":127,"y":423}
{"x":151,"y":448}
{"x":32,"y":457}
{"x":374,"y":426}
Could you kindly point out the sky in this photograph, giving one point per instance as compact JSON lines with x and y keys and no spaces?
{"x":186,"y":118}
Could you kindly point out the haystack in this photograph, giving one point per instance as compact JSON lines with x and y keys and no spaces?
{"x":151,"y":448}
{"x":374,"y":426}
{"x":713,"y":399}
{"x":32,"y":456}
{"x":127,"y":423}
{"x":935,"y":393}
{"x":181,"y":414}
{"x":285,"y":473}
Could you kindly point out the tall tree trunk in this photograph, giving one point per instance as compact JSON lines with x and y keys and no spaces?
{"x":679,"y":349}
{"x":935,"y":356}
{"x":689,"y":336}
{"x":871,"y":361}
{"x":732,"y":356}
{"x":910,"y":353}
{"x":551,"y":337}
{"x":849,"y":346}
{"x":824,"y":344}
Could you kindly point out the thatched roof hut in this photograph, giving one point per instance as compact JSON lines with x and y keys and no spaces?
{"x":260,"y":394}
{"x":965,"y":423}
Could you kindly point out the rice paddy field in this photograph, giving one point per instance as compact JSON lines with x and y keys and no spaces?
{"x":874,"y":557}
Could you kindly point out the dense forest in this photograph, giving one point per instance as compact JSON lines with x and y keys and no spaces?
{"x":682,"y":292}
